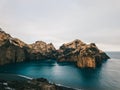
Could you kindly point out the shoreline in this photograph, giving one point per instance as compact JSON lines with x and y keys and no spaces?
{"x":10,"y":78}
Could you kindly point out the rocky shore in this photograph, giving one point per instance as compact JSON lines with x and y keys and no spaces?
{"x":14,"y":50}
{"x":34,"y":84}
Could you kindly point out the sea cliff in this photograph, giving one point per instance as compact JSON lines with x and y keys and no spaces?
{"x":14,"y":50}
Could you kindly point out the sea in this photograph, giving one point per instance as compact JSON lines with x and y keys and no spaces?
{"x":106,"y":77}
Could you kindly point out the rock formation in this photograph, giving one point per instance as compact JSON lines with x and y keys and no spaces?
{"x":14,"y":50}
{"x":84,"y":55}
{"x":11,"y":49}
{"x":34,"y":84}
{"x":41,"y":50}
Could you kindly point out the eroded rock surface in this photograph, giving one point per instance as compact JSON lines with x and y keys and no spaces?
{"x":41,"y":50}
{"x":84,"y":55}
{"x":11,"y":49}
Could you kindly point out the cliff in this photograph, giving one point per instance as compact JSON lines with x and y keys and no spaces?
{"x":41,"y":50}
{"x":84,"y":55}
{"x":14,"y":50}
{"x":11,"y":49}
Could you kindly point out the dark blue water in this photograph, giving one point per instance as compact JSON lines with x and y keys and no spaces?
{"x":106,"y":77}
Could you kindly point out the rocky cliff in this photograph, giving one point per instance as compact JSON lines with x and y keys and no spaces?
{"x":11,"y":49}
{"x":14,"y":50}
{"x":84,"y":55}
{"x":41,"y":50}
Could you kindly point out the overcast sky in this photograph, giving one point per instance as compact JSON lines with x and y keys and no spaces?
{"x":60,"y":21}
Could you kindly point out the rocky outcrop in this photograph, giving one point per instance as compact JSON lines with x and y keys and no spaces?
{"x":34,"y":84}
{"x":11,"y":49}
{"x":14,"y":50}
{"x":84,"y":55}
{"x":41,"y":50}
{"x":70,"y":51}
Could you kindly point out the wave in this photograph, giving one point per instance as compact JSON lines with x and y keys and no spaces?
{"x":25,"y":77}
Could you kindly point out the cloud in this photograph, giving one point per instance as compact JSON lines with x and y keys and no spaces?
{"x":60,"y":21}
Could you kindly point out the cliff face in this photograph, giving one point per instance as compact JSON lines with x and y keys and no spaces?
{"x":11,"y":49}
{"x":14,"y":50}
{"x":70,"y":51}
{"x":85,"y":55}
{"x":41,"y":50}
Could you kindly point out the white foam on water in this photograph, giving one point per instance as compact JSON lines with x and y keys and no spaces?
{"x":25,"y":77}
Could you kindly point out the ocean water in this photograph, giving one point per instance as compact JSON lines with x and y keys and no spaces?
{"x":106,"y":77}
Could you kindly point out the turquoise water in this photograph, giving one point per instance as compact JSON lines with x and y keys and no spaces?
{"x":106,"y":77}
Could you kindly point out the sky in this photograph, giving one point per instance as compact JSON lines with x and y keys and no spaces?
{"x":62,"y":21}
